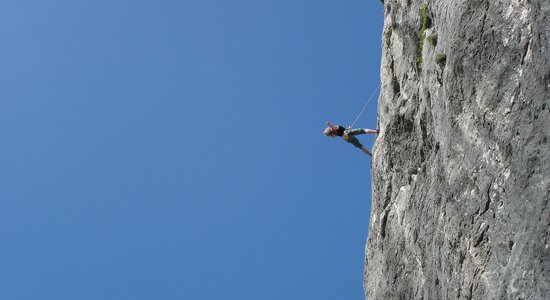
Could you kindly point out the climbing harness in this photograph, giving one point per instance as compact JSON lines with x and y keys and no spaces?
{"x":364,"y":107}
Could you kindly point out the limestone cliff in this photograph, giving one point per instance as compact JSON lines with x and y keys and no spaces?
{"x":461,"y":168}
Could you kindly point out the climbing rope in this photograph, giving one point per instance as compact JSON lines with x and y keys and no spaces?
{"x":364,"y":107}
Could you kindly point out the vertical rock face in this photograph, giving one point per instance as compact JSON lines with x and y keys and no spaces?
{"x":461,"y":168}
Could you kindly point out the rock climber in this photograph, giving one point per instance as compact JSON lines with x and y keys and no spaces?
{"x":348,"y":134}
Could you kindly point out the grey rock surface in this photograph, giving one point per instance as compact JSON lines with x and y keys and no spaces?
{"x":461,"y":167}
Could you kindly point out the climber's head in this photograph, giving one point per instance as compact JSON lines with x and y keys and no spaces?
{"x":329,"y":132}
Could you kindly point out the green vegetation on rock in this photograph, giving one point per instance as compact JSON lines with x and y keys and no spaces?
{"x":426,"y":23}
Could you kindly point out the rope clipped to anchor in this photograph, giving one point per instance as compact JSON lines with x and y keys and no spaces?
{"x":364,"y":107}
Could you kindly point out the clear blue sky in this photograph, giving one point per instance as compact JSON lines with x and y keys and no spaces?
{"x":174,"y":149}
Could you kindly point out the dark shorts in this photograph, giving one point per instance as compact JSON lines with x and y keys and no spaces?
{"x":349,"y":136}
{"x":354,"y":141}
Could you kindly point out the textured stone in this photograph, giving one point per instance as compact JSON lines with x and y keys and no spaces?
{"x":461,"y":168}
